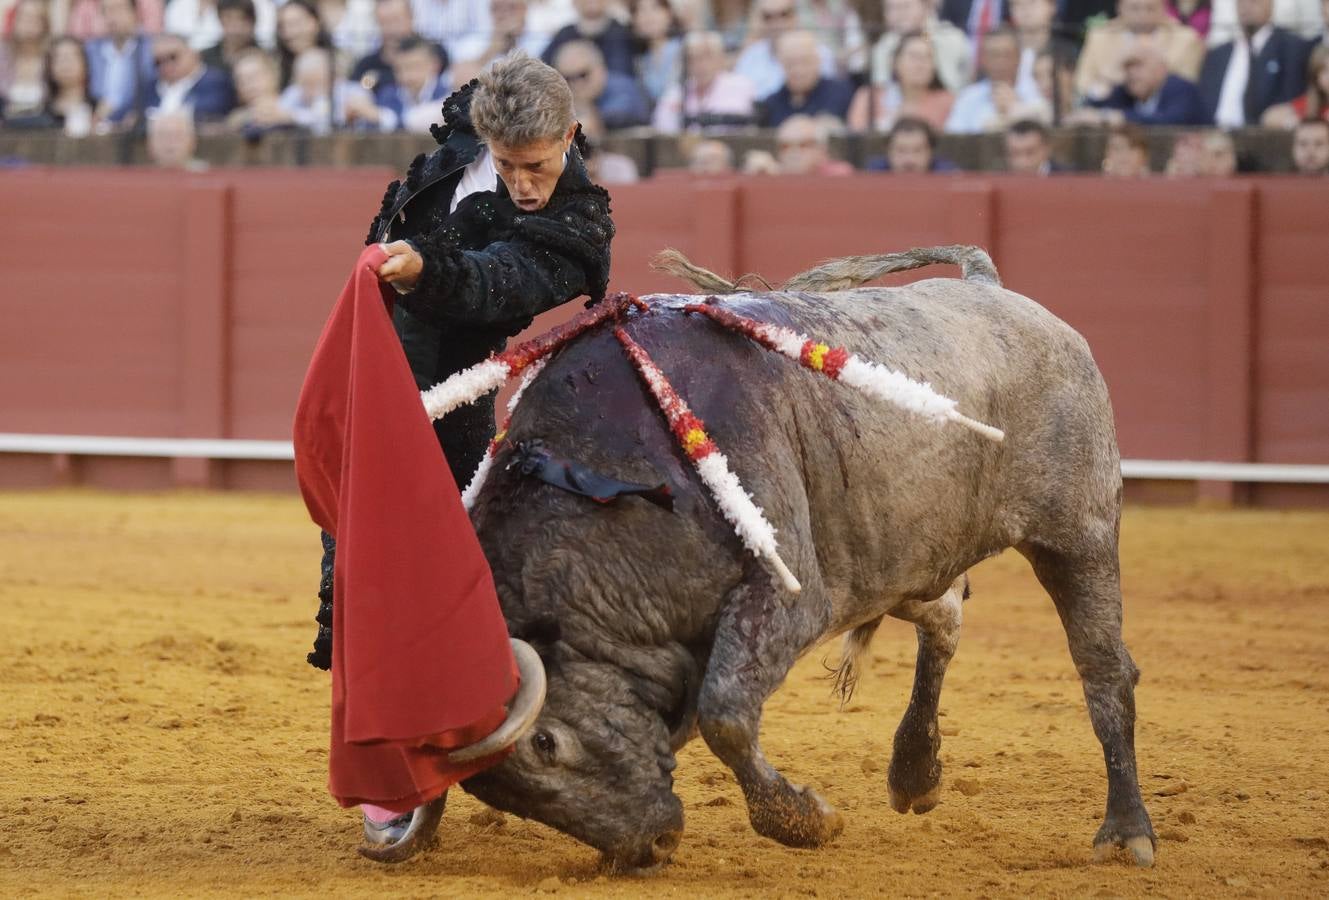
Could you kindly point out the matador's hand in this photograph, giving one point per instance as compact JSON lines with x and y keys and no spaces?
{"x":404,"y":265}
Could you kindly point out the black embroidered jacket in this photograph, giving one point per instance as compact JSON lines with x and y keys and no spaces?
{"x":489,"y":268}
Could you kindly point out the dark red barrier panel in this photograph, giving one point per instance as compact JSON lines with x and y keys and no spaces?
{"x":152,"y":304}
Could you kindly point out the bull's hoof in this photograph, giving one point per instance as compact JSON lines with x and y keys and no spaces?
{"x":914,"y":778}
{"x":1130,"y":831}
{"x":798,"y":818}
{"x":902,"y":802}
{"x":1141,"y":848}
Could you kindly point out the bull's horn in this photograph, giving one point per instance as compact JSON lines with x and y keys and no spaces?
{"x":522,"y":712}
{"x":424,"y":822}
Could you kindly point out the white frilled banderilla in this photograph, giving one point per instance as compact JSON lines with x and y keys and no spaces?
{"x":735,"y":503}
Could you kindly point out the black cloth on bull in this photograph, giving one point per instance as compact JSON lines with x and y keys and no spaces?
{"x":534,"y":459}
{"x":489,"y":269}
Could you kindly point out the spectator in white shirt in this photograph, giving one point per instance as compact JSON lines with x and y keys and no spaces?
{"x":1263,"y":67}
{"x":998,"y":100}
{"x":711,"y":95}
{"x":452,"y":23}
{"x":320,"y":104}
{"x":183,"y":82}
{"x":1302,"y":17}
{"x":121,"y":64}
{"x":350,"y":23}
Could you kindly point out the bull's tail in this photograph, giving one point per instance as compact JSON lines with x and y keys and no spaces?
{"x":853,"y":271}
{"x":843,"y":273}
{"x":845,"y":675}
{"x":672,"y":262}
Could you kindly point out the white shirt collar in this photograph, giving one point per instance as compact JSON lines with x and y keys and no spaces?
{"x":184,"y":85}
{"x":110,"y":52}
{"x":1260,"y":38}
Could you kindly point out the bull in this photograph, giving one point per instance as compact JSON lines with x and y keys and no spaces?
{"x":654,"y":626}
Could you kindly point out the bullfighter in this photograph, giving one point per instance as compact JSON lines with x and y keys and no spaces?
{"x":497,"y":225}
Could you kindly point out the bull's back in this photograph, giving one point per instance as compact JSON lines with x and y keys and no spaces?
{"x":881,"y":502}
{"x":897,"y":504}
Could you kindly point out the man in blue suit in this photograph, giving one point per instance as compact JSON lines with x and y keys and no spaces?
{"x":806,"y":90}
{"x":120,"y":69}
{"x":1150,"y":95}
{"x":183,"y":82}
{"x":1264,"y":66}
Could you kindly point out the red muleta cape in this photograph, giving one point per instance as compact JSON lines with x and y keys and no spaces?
{"x":420,"y":656}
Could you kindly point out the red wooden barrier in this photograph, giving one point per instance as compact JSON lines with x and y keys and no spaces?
{"x":152,"y":304}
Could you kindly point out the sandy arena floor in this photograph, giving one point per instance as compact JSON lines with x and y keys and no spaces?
{"x":162,"y":734}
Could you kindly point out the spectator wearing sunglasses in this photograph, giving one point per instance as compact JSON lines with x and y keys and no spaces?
{"x":615,"y":99}
{"x":185,"y":83}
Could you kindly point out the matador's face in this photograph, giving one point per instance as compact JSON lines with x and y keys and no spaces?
{"x":530,"y":171}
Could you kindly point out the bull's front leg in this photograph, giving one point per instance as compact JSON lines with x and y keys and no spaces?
{"x":915,"y":773}
{"x":757,"y":640}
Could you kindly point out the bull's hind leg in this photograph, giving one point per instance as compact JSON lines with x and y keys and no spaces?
{"x":915,"y":773}
{"x":757,"y":640}
{"x":1086,"y":588}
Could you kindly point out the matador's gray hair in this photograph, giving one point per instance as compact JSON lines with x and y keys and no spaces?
{"x":521,"y":101}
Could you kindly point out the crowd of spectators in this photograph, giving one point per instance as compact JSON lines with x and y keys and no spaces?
{"x":809,"y":69}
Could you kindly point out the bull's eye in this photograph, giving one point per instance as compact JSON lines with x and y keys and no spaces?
{"x":544,"y":742}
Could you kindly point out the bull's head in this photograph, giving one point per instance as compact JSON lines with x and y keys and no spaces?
{"x":576,"y":579}
{"x":597,"y":765}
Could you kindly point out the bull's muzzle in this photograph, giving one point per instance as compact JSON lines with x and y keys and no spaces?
{"x":646,"y":855}
{"x":522,"y":711}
